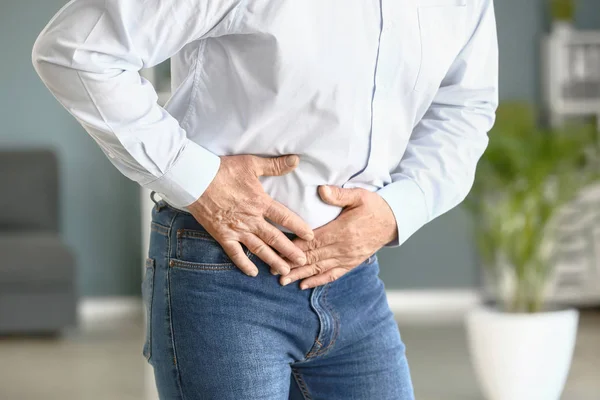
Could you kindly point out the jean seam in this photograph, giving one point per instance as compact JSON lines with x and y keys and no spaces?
{"x":177,"y":263}
{"x":179,"y":247}
{"x":335,"y":322}
{"x":188,"y":233}
{"x":313,"y":351}
{"x":177,"y":372}
{"x":152,"y":263}
{"x":195,"y":234}
{"x":158,"y":228}
{"x":301,"y":384}
{"x":320,"y":351}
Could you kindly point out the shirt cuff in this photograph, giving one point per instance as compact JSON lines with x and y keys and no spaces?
{"x":188,"y":177}
{"x":407,"y":202}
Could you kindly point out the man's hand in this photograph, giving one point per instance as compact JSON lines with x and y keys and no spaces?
{"x":365,"y":225}
{"x":234,"y":207}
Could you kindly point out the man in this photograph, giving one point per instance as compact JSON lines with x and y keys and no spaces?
{"x":301,"y":137}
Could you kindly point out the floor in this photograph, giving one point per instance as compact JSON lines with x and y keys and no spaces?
{"x":102,"y":361}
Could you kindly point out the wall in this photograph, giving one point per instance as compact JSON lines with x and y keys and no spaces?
{"x":442,"y":254}
{"x":100,"y":208}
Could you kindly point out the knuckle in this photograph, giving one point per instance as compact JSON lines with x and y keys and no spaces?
{"x":269,"y":205}
{"x":284,"y":219}
{"x":235,"y":255}
{"x":271,"y":239}
{"x":277,"y":165}
{"x":313,"y":244}
{"x":332,"y":277}
{"x":259,"y":249}
{"x":317,"y":269}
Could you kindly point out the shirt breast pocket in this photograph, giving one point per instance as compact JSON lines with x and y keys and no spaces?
{"x":442,"y":33}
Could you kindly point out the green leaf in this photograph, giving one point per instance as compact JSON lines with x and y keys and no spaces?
{"x":525,"y":177}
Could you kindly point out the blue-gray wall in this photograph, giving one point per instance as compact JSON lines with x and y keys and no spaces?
{"x":100,"y":211}
{"x":442,"y":254}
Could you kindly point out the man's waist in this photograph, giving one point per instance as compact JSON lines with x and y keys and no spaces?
{"x":303,"y":199}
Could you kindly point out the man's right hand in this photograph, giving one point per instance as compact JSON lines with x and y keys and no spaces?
{"x":234,"y":207}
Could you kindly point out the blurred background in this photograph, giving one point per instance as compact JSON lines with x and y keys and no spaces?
{"x":73,"y":230}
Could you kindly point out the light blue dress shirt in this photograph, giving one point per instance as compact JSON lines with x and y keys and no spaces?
{"x":393,"y":96}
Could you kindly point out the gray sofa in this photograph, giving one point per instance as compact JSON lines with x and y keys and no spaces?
{"x":37,"y":271}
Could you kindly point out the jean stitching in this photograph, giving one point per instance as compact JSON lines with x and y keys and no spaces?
{"x":177,"y":372}
{"x":153,"y":269}
{"x":190,"y":233}
{"x":175,"y":263}
{"x":335,"y":323}
{"x":320,"y":351}
{"x":150,"y":264}
{"x":301,"y":384}
{"x":179,"y":245}
{"x":156,"y":227}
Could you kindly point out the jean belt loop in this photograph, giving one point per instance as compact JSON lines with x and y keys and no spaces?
{"x":156,"y":203}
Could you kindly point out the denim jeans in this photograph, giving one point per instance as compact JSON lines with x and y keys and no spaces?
{"x":214,"y":333}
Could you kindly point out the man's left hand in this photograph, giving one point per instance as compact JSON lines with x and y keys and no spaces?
{"x":365,"y":225}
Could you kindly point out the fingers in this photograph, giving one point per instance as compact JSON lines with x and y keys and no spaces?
{"x":308,"y":270}
{"x":236,"y":253}
{"x":278,"y":241}
{"x":324,"y":278}
{"x":266,"y":253}
{"x":324,"y":236}
{"x":321,"y":253}
{"x":276,"y":166}
{"x":281,"y":215}
{"x":340,"y":197}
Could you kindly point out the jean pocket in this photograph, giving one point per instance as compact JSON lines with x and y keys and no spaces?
{"x":147,"y":299}
{"x":198,"y":250}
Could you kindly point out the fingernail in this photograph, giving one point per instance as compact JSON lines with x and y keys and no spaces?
{"x":253,"y":273}
{"x":286,"y":281}
{"x":303,"y":287}
{"x":274,"y":272}
{"x":326,"y":190}
{"x":291,"y":161}
{"x":300,"y":261}
{"x":309,"y":236}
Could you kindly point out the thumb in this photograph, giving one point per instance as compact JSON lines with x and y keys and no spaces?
{"x":337,"y":196}
{"x":276,"y":166}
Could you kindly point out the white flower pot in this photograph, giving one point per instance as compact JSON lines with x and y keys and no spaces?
{"x":562,"y":28}
{"x":522,"y":356}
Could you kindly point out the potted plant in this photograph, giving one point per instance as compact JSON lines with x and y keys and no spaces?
{"x":563,"y":14}
{"x":521,"y":346}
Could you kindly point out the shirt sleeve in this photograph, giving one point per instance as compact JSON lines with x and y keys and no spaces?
{"x":89,"y":56}
{"x":437,"y":170}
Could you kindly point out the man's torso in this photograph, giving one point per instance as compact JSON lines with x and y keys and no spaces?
{"x":341,"y":83}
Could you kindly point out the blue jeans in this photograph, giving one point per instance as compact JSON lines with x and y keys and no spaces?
{"x":215,"y":333}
